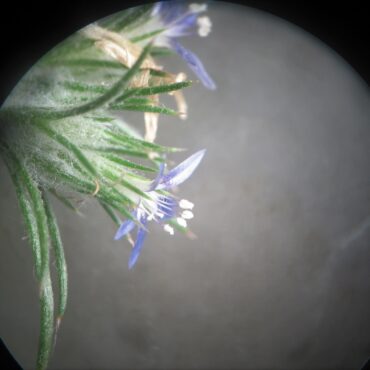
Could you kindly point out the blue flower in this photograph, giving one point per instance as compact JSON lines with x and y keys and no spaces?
{"x":159,"y":205}
{"x":178,"y":21}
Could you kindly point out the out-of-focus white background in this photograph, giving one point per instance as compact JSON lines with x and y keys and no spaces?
{"x":279,"y":276}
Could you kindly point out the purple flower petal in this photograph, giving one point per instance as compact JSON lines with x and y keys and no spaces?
{"x":187,"y":21}
{"x":182,"y":26}
{"x":181,"y":172}
{"x":135,"y":252}
{"x":194,"y":63}
{"x":124,"y":229}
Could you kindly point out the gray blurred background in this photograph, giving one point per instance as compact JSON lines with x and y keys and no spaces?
{"x":279,"y":277}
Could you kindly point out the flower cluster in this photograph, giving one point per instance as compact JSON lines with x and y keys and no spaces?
{"x":159,"y":206}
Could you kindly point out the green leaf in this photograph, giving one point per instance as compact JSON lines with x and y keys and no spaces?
{"x":153,"y":90}
{"x":102,"y":119}
{"x":138,"y":101}
{"x":118,"y":150}
{"x":129,"y":140}
{"x":84,"y":88}
{"x":158,"y":73}
{"x":28,"y":217}
{"x":46,"y":323}
{"x":88,"y":63}
{"x":61,"y":265}
{"x":144,"y":108}
{"x":128,"y":164}
{"x":158,"y":51}
{"x":147,"y":35}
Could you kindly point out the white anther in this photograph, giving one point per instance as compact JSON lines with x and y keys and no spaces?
{"x":180,"y":77}
{"x":197,"y":8}
{"x":160,"y":214}
{"x":181,"y":222}
{"x":151,"y":217}
{"x":169,"y":229}
{"x":187,"y":215}
{"x":185,"y":204}
{"x":204,"y":26}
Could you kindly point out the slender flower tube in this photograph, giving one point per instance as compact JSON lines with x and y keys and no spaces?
{"x":160,"y":206}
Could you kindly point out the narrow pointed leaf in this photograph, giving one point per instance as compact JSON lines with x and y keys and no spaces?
{"x":153,"y":90}
{"x":88,"y":63}
{"x":138,"y":101}
{"x":61,"y":265}
{"x":129,"y":140}
{"x":144,"y":108}
{"x":147,"y":35}
{"x":84,"y":88}
{"x":158,"y":51}
{"x":28,"y":217}
{"x":119,"y":150}
{"x":129,"y":164}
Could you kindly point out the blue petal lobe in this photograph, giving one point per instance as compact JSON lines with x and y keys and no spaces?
{"x":135,"y":252}
{"x":187,"y":21}
{"x":181,"y":172}
{"x":182,"y":26}
{"x":194,"y":63}
{"x":124,"y":229}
